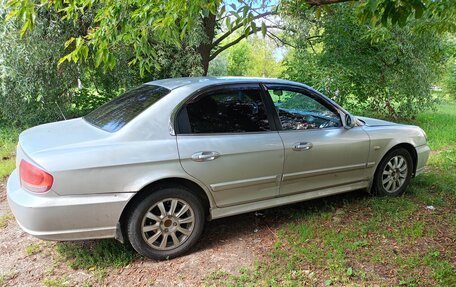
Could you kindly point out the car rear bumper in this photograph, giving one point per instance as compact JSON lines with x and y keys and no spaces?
{"x":422,"y":153}
{"x":53,"y":217}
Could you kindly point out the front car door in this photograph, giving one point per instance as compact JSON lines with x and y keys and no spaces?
{"x":319,"y":152}
{"x":226,"y":140}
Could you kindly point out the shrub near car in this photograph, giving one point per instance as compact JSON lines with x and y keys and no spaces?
{"x":154,"y":164}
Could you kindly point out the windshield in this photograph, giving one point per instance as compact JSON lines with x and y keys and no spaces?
{"x":115,"y":114}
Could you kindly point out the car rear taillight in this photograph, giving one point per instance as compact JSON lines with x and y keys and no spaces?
{"x":34,"y":178}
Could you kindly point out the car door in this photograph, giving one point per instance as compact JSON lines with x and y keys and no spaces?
{"x":227,"y":140}
{"x":319,"y":152}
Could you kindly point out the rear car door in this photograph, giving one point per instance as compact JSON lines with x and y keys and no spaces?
{"x":227,"y":140}
{"x":319,"y":152}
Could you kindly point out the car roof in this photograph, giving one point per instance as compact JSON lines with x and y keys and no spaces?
{"x":175,"y":83}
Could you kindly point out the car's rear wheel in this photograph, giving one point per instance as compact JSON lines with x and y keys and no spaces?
{"x":166,"y":223}
{"x":394,"y":173}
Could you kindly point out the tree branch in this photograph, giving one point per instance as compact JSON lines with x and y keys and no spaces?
{"x":275,"y":37}
{"x":311,"y":45}
{"x":224,"y":36}
{"x":216,"y":53}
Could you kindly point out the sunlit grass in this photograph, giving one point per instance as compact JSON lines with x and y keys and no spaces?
{"x":8,"y":141}
{"x":439,"y":125}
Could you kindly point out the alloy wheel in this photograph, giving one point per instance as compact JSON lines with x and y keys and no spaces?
{"x":168,"y":224}
{"x":394,"y":174}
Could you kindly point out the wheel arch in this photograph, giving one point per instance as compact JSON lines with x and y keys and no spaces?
{"x":161,"y":183}
{"x":406,"y":145}
{"x":410,"y":148}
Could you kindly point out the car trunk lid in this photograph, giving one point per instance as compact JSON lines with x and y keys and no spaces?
{"x":58,"y":135}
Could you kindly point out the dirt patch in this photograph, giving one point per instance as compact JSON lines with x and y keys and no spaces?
{"x":226,"y":245}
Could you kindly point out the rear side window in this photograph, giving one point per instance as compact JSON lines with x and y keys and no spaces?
{"x":115,"y":114}
{"x":228,"y":111}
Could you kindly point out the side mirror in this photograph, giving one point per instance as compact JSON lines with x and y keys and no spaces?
{"x":348,"y":121}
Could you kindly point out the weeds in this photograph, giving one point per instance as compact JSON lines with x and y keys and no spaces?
{"x":33,"y":249}
{"x":4,"y":220}
{"x":93,"y":255}
{"x":56,"y":281}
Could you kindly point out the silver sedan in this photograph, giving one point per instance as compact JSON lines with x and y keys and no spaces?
{"x":154,"y":164}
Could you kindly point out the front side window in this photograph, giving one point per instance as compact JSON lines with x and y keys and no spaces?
{"x":115,"y":114}
{"x":228,"y":111}
{"x":298,"y":111}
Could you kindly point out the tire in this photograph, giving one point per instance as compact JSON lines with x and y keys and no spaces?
{"x":394,"y":173}
{"x":158,"y":232}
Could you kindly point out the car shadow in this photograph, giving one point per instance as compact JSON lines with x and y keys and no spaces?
{"x":220,"y":231}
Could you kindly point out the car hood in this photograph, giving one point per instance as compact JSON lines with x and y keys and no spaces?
{"x":371,"y":122}
{"x":59,"y":135}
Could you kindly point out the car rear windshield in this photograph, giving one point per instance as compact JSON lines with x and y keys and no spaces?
{"x":115,"y":114}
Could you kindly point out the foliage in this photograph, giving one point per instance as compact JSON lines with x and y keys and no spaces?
{"x":449,"y":80}
{"x":437,"y":15}
{"x":252,"y":57}
{"x":264,"y":62}
{"x":219,"y":66}
{"x":137,"y":24}
{"x":32,"y":88}
{"x":122,"y":40}
{"x":202,"y":26}
{"x":239,"y":59}
{"x":388,"y":70}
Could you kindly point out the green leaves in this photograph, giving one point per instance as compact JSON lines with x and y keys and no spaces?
{"x":402,"y":12}
{"x":143,"y":25}
{"x":365,"y":66}
{"x":263,"y":29}
{"x":23,"y":10}
{"x":80,"y":51}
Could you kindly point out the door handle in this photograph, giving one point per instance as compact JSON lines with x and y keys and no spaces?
{"x":302,"y":146}
{"x":205,"y":156}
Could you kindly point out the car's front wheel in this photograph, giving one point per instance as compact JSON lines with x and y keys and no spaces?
{"x":394,"y":173}
{"x":166,"y":223}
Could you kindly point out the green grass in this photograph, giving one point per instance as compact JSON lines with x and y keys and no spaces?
{"x":4,"y":220}
{"x":56,"y":281}
{"x":33,"y":249}
{"x":439,"y":125}
{"x":357,"y":240}
{"x":8,"y":141}
{"x":94,"y":255}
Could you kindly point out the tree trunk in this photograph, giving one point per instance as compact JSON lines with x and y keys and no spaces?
{"x":205,"y":47}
